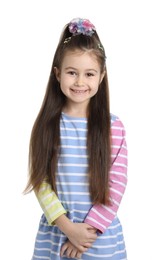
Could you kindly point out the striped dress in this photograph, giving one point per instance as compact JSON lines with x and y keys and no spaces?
{"x":74,"y":198}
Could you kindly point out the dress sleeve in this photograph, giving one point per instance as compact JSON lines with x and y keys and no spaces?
{"x":49,"y":203}
{"x":100,"y":216}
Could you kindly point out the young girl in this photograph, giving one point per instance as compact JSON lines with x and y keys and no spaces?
{"x":78,"y":155}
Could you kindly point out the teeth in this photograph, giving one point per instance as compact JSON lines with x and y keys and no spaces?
{"x":79,"y":91}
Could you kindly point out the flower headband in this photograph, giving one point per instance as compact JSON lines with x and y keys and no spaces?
{"x":81,"y":26}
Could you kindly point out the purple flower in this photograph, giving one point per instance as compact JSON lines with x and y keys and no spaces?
{"x":81,"y":26}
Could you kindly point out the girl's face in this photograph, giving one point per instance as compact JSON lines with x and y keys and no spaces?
{"x":79,"y":77}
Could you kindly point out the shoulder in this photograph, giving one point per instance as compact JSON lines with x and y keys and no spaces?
{"x":117,"y":126}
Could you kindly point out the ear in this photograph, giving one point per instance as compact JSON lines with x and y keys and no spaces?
{"x":102,"y":75}
{"x":57,"y":73}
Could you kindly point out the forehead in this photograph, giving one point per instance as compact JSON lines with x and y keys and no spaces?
{"x":79,"y":57}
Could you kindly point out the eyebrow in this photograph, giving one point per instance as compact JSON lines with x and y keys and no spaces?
{"x":72,"y":68}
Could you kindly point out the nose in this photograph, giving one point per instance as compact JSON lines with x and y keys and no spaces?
{"x":79,"y":81}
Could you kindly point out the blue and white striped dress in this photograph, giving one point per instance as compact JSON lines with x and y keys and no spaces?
{"x":73,"y":193}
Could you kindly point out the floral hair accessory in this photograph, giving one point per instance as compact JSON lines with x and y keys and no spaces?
{"x":81,"y":26}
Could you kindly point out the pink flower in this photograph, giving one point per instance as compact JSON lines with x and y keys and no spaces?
{"x":81,"y":26}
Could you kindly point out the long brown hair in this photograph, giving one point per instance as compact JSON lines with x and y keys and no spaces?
{"x":45,"y":136}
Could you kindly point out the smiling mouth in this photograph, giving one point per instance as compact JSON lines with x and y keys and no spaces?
{"x":79,"y":91}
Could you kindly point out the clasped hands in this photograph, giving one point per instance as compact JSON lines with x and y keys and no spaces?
{"x":80,"y":237}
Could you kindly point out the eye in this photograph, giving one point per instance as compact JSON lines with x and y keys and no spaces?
{"x":71,"y":72}
{"x":89,"y":74}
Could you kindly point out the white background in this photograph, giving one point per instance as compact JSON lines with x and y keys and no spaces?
{"x":29,"y":33}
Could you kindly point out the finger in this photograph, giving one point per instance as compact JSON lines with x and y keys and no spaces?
{"x":79,"y":255}
{"x":89,"y":240}
{"x":87,"y":245}
{"x":82,"y":249}
{"x":73,"y":253}
{"x":63,"y":249}
{"x":92,"y":230}
{"x":92,"y":237}
{"x":69,"y":251}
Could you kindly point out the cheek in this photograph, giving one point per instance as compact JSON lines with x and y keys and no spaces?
{"x":97,"y":84}
{"x":64,"y":79}
{"x":64,"y":85}
{"x":67,"y":81}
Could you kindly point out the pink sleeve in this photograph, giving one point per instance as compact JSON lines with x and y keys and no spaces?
{"x":100,"y":216}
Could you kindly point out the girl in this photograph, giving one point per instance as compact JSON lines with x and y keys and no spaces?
{"x":78,"y":155}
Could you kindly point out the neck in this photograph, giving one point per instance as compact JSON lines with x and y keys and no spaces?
{"x":75,"y":111}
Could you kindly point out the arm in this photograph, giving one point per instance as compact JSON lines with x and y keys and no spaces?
{"x":101,"y":216}
{"x":80,"y":234}
{"x":49,"y":203}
